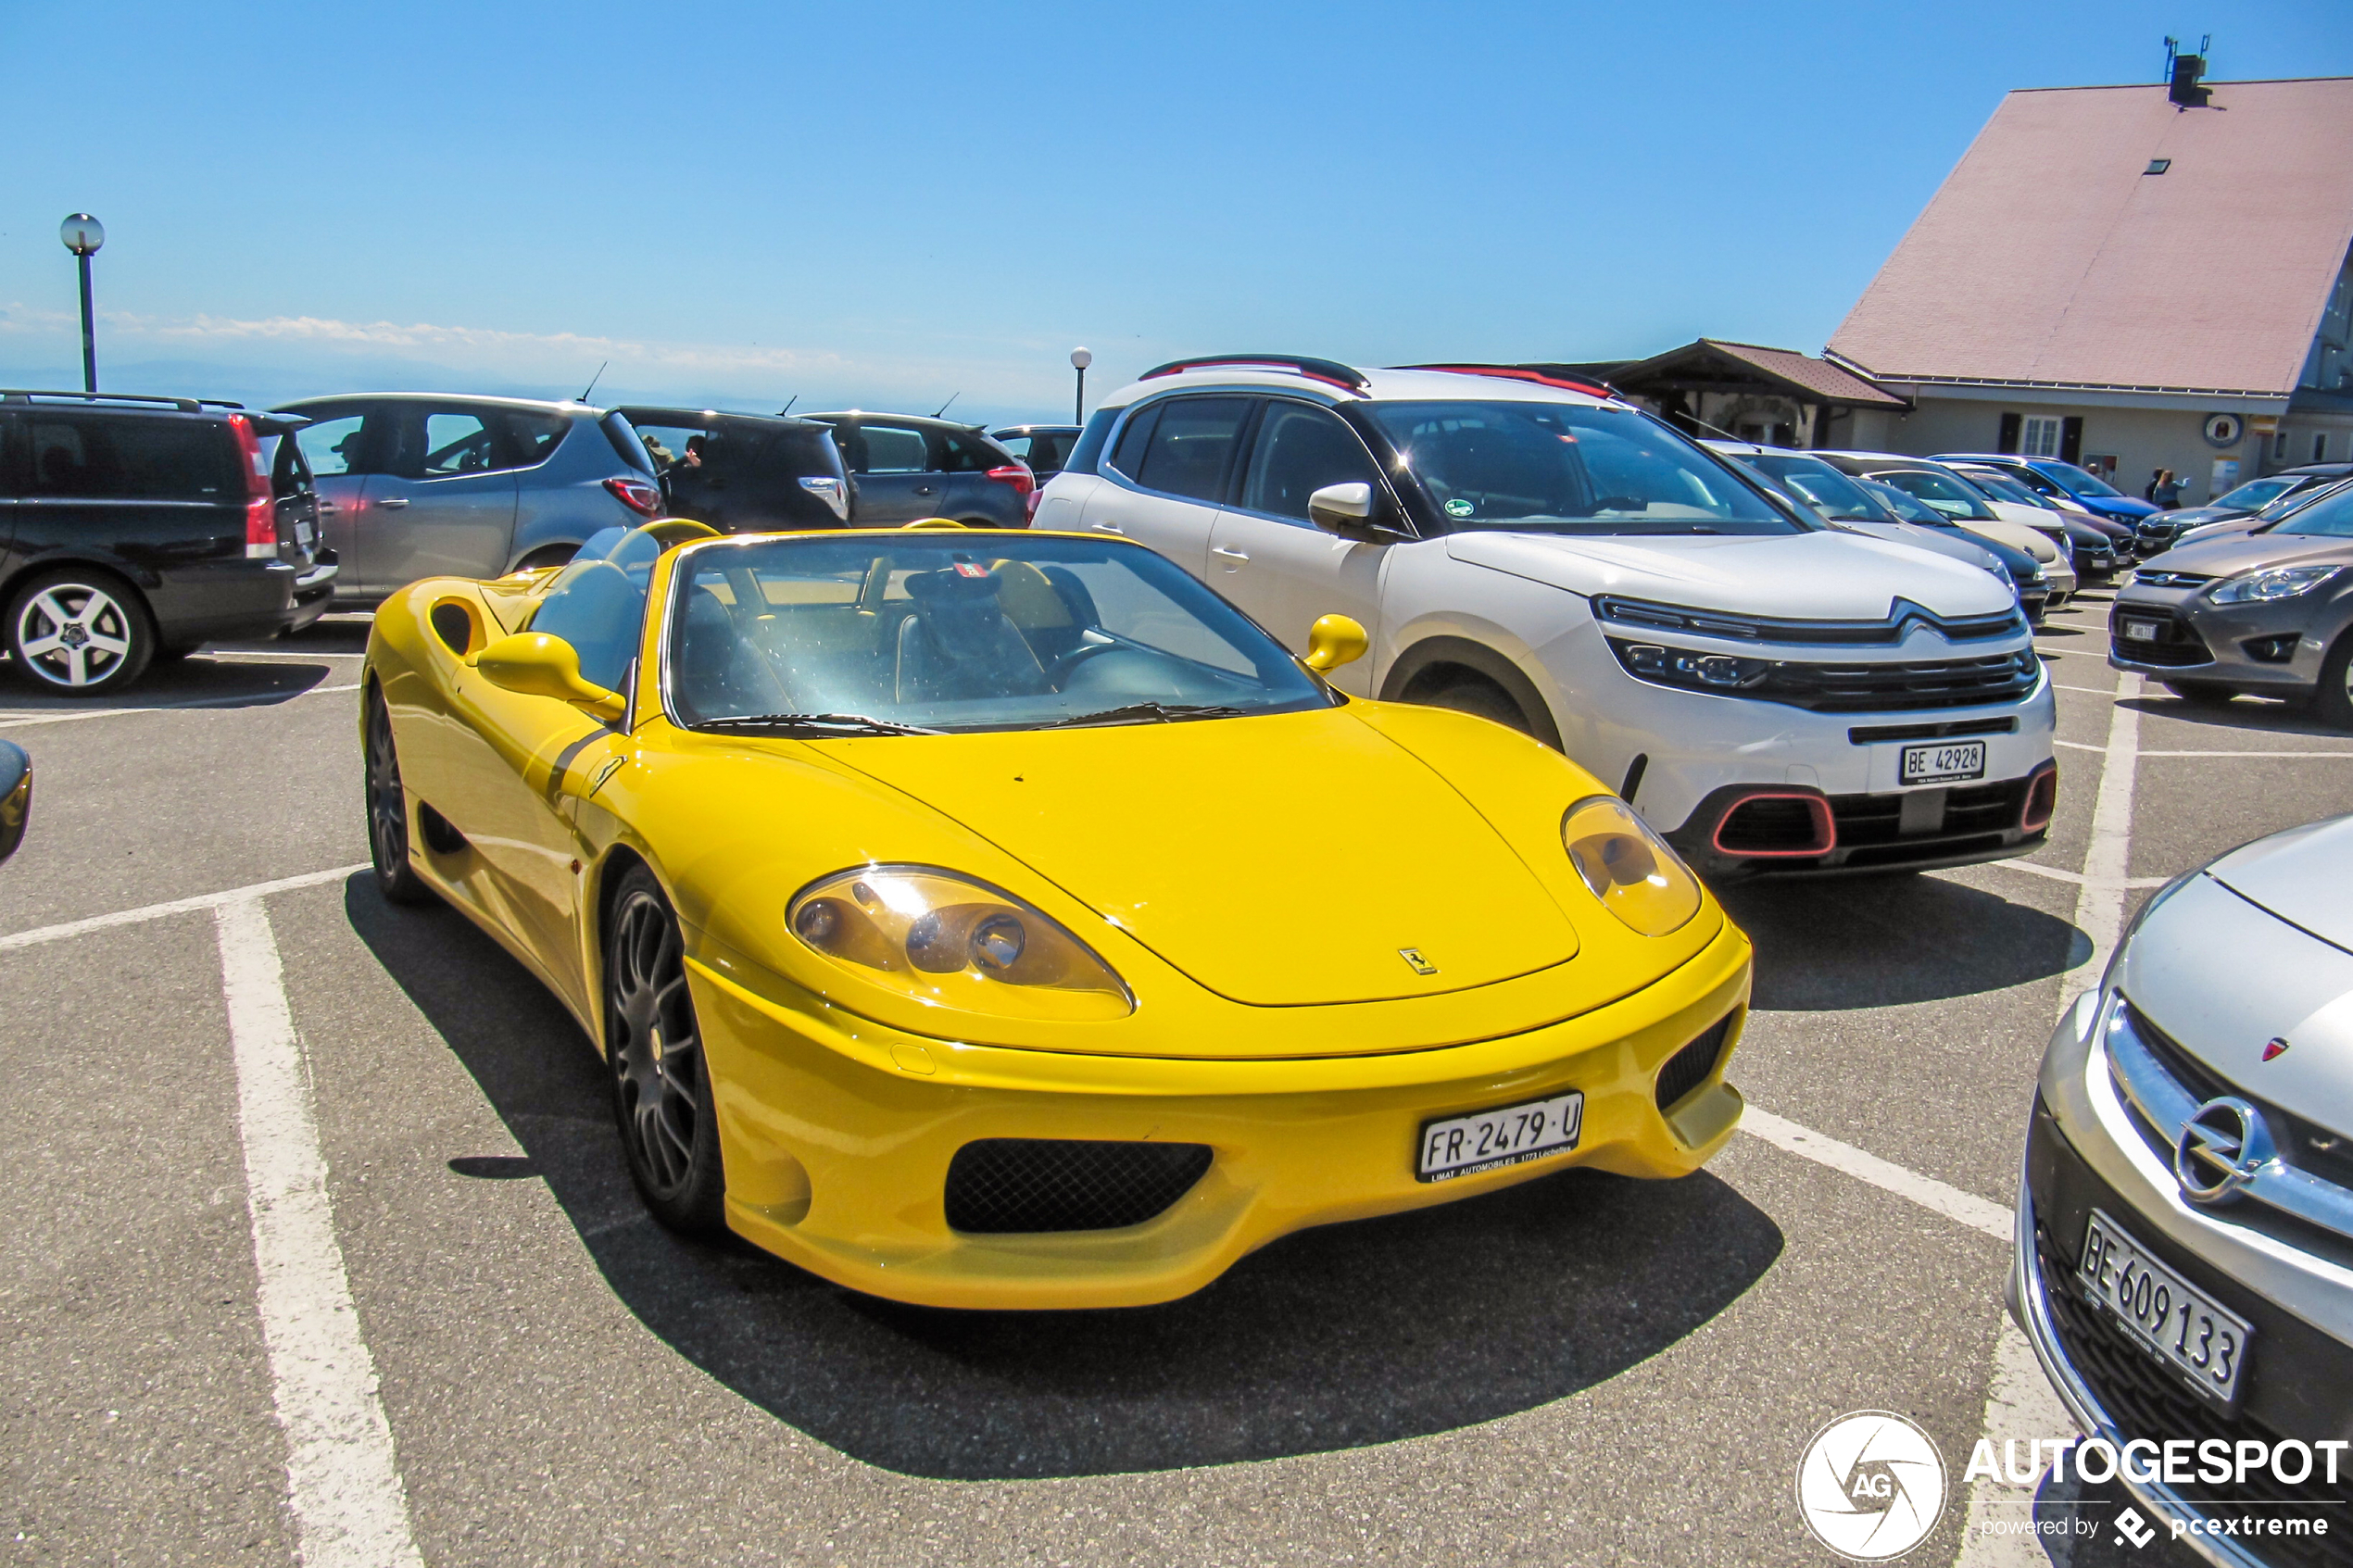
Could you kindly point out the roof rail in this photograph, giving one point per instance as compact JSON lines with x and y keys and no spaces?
{"x":1515,"y":373}
{"x":185,"y":405}
{"x":1346,"y":377}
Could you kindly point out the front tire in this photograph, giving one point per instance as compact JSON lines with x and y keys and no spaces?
{"x":388,"y":812}
{"x":80,"y":633}
{"x":2333,"y":703}
{"x":661,"y":1075}
{"x":1483,"y":698}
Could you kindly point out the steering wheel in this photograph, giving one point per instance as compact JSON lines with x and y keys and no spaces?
{"x":1074,"y":659}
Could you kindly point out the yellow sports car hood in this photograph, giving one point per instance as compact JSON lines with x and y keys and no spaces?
{"x":1293,"y":860}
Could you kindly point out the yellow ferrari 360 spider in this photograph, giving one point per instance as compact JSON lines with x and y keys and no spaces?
{"x":1001,"y":918}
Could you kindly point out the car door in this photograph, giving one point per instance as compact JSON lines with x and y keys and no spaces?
{"x":335,"y":445}
{"x":1166,"y":476}
{"x":893,"y":467}
{"x":1268,"y":557}
{"x":444,"y":505}
{"x":11,"y":480}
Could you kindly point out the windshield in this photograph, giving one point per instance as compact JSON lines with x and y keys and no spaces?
{"x":2255,"y":495}
{"x":942,"y":631}
{"x":1948,"y":494}
{"x":2084,"y":482}
{"x":2331,"y":518}
{"x":1832,"y":493}
{"x":2003,"y":489}
{"x":1562,"y":468}
{"x":1911,"y":509}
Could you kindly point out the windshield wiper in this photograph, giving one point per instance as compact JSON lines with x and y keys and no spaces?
{"x":1146,"y":713}
{"x":817,"y":724}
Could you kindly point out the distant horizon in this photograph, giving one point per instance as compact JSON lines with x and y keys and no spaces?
{"x":880,"y":211}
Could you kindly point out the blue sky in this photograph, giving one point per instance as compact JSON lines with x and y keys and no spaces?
{"x":883,"y":205}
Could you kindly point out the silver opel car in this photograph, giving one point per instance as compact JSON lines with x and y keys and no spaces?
{"x":426,"y":484}
{"x":2184,"y":1235}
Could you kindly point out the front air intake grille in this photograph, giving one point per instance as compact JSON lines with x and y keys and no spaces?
{"x":1777,"y":824}
{"x":998,"y":1186}
{"x":1896,"y":687}
{"x":2146,"y":1401}
{"x":2175,"y":644}
{"x":1689,"y":1067}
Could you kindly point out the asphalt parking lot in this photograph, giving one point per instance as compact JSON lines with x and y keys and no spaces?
{"x":1584,"y":1369}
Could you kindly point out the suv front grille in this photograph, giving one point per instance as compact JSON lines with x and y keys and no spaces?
{"x":1903,"y":615}
{"x":1881,"y":688}
{"x":999,"y":1186}
{"x":2146,"y":1401}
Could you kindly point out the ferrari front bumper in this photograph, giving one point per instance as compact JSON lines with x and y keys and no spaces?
{"x":837,"y":1133}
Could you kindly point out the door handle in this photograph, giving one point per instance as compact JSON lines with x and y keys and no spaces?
{"x":328,"y":506}
{"x":392,"y":503}
{"x":1230,"y":555}
{"x":1108,"y":528}
{"x":922,"y":489}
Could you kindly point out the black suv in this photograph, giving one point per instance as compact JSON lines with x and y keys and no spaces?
{"x":744,"y":472}
{"x":136,"y":528}
{"x":909,"y":467}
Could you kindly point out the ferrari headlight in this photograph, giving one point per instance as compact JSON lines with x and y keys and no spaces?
{"x":2273,"y":582}
{"x":950,"y":941}
{"x":1630,"y":868}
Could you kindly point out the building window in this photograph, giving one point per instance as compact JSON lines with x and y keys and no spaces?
{"x":2039,"y":437}
{"x":2321,"y":447}
{"x":2279,"y":447}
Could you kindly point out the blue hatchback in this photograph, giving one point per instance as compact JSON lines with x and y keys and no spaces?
{"x":2049,"y":476}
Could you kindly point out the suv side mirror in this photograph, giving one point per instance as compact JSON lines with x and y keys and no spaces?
{"x":1352,"y":511}
{"x":537,"y":664}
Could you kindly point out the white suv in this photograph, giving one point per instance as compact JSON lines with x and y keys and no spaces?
{"x":1772,"y":695}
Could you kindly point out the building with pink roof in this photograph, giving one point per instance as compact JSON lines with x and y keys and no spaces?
{"x":2114,"y":279}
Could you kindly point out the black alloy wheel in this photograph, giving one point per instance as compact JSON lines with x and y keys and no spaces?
{"x":660,"y":1082}
{"x":388,"y":810}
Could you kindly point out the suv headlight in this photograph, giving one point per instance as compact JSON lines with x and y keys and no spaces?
{"x":1628,"y":866}
{"x":950,"y":941}
{"x":2270,"y":583}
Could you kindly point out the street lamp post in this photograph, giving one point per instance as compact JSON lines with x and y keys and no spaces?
{"x":83,"y":235}
{"x":1080,"y":359}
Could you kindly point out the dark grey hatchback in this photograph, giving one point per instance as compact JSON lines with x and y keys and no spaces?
{"x":908,"y":467}
{"x":137,"y":527}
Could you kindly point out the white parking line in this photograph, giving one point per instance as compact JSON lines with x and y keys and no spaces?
{"x":42,"y":934}
{"x":258,"y":700}
{"x":231,"y":655}
{"x":344,"y":1490}
{"x":2095,"y":691}
{"x":2076,"y":877}
{"x":1927,"y":1191}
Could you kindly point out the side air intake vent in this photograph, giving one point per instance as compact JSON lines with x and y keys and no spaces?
{"x":1689,"y":1067}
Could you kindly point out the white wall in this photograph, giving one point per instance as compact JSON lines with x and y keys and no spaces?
{"x":2140,"y":439}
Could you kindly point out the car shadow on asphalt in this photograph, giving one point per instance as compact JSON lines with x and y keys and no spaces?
{"x":1839,"y":943}
{"x":201,"y":681}
{"x":1333,"y":1338}
{"x":2254,"y":715}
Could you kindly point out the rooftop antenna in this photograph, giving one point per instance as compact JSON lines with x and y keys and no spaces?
{"x":592,"y":384}
{"x":788,"y":403}
{"x":943,"y":407}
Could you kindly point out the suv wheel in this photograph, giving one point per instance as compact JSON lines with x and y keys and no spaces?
{"x":80,"y":633}
{"x":1478,"y":696}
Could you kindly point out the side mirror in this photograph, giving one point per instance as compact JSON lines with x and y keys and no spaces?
{"x":1335,"y":640}
{"x":539,"y":665}
{"x":1349,"y":510}
{"x":16,"y":795}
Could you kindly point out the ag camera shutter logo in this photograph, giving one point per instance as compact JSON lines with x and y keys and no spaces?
{"x":1871,"y":1485}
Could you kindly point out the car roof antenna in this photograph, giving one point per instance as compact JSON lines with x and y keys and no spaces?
{"x":592,"y":384}
{"x":788,"y":403}
{"x":943,"y":407}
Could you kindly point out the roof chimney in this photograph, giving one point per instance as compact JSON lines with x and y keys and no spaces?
{"x":2183,"y":72}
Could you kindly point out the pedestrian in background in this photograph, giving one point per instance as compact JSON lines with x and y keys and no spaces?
{"x":2168,"y":491}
